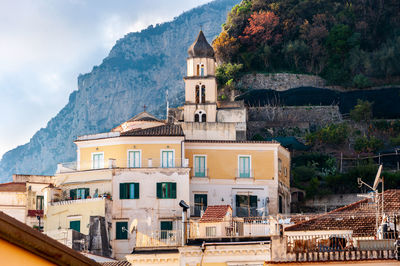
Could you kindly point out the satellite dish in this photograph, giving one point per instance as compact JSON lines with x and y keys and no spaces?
{"x":133,"y":226}
{"x":377,"y":179}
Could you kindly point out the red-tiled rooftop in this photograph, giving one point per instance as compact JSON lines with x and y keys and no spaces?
{"x":13,"y":187}
{"x":215,"y":213}
{"x":163,"y":130}
{"x":231,"y":141}
{"x":360,"y":217}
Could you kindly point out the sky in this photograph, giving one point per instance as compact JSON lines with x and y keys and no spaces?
{"x":46,"y":44}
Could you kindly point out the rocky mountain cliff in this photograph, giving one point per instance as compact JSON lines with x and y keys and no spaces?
{"x":138,"y":71}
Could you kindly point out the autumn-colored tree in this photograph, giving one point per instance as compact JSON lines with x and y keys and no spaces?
{"x":225,"y":47}
{"x":261,"y":30}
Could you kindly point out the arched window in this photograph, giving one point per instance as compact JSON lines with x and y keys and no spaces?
{"x":202,"y":70}
{"x":200,"y":116}
{"x":197,"y":70}
{"x":197,"y":94}
{"x":203,"y":94}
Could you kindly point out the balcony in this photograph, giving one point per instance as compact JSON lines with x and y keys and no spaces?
{"x":237,"y":227}
{"x":159,"y":238}
{"x":244,"y":173}
{"x":114,"y":164}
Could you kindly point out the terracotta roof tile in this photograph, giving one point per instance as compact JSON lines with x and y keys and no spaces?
{"x":13,"y":187}
{"x":163,"y":130}
{"x":215,"y":213}
{"x":360,"y":217}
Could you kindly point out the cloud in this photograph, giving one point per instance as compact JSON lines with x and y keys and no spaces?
{"x":46,"y":44}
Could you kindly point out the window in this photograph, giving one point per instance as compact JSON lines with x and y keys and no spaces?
{"x":196,"y":118}
{"x":165,"y":226}
{"x":246,"y":205}
{"x":167,"y":159}
{"x":39,"y":202}
{"x":75,"y":225}
{"x":285,"y":170}
{"x":129,"y":190}
{"x":203,"y":94}
{"x":199,"y":165}
{"x":280,"y":204}
{"x":197,"y":95}
{"x":134,"y":159}
{"x":200,"y":204}
{"x":244,"y":166}
{"x":97,"y":160}
{"x":211,"y":231}
{"x":121,"y":230}
{"x":280,"y":165}
{"x":200,"y":116}
{"x":79,"y":193}
{"x":197,"y":69}
{"x":202,"y":70}
{"x":203,"y":118}
{"x":166,"y":190}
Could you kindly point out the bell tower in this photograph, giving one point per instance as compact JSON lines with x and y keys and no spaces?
{"x":200,"y":83}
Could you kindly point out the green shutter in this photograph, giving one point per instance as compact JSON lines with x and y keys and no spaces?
{"x":119,"y":233}
{"x":122,"y":191}
{"x":166,"y":225}
{"x":75,"y":225}
{"x":72,"y":193}
{"x":86,"y":192}
{"x":159,"y":190}
{"x":173,"y":190}
{"x":136,"y":190}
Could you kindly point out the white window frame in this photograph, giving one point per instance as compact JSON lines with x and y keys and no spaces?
{"x":173,"y":158}
{"x":194,"y":164}
{"x":250,"y":164}
{"x":128,"y":158}
{"x":101,"y":165}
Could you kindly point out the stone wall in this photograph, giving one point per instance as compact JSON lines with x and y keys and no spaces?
{"x":280,"y":81}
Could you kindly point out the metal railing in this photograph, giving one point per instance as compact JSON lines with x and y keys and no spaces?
{"x":200,"y":172}
{"x":112,"y":163}
{"x":237,"y":227}
{"x":244,"y":173}
{"x":159,"y":238}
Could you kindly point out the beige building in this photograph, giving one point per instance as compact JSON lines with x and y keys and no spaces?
{"x":23,"y":199}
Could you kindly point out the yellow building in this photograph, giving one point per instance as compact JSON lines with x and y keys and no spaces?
{"x":131,"y":180}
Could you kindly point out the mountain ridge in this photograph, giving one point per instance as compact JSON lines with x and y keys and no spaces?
{"x":139,"y":69}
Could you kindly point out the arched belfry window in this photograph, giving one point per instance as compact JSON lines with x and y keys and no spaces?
{"x":197,"y":94}
{"x":200,"y":116}
{"x":203,"y":94}
{"x":202,"y":70}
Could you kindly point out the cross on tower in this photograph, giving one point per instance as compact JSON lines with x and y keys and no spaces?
{"x":144,"y":108}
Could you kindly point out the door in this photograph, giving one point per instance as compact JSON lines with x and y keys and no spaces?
{"x":134,"y":159}
{"x":167,"y":159}
{"x":200,"y":204}
{"x":244,"y":166}
{"x":200,"y":166}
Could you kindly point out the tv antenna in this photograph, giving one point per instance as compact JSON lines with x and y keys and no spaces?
{"x":374,"y":188}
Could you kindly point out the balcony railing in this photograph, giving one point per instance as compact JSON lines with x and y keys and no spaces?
{"x":244,"y":173}
{"x":112,"y":163}
{"x":199,"y":172}
{"x":159,"y":238}
{"x":234,"y":228}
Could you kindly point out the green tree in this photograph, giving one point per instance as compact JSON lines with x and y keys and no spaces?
{"x":362,"y":112}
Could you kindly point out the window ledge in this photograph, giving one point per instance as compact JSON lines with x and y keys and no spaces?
{"x":244,"y":180}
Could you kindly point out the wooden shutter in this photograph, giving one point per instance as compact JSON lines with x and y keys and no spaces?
{"x":173,"y":190}
{"x":122,"y":191}
{"x":72,"y":193}
{"x":159,"y":190}
{"x":136,"y":196}
{"x":119,"y":234}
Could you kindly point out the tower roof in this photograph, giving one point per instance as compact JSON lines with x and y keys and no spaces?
{"x":200,"y":47}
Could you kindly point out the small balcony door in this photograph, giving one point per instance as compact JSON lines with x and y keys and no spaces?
{"x":167,"y":159}
{"x":134,"y":159}
{"x":244,"y":166}
{"x":199,"y":166}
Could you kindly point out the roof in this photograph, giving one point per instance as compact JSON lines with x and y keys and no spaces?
{"x":230,"y":141}
{"x":117,"y":263}
{"x":25,"y":237}
{"x":144,"y":116}
{"x":163,"y":130}
{"x":13,"y":187}
{"x":360,"y":217}
{"x":200,"y":47}
{"x":215,"y":213}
